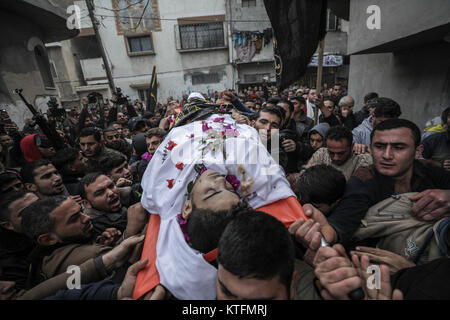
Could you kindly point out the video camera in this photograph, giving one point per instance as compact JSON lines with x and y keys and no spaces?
{"x":53,"y":109}
{"x":92,"y":98}
{"x":121,"y":99}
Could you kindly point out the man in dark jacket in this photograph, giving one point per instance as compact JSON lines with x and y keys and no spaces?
{"x":113,"y":140}
{"x":14,"y":245}
{"x":72,"y":165}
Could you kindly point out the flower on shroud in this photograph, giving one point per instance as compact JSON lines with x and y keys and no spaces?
{"x":234,"y":181}
{"x":205,"y":127}
{"x":183,"y":225}
{"x":230,"y":132}
{"x":220,"y":120}
{"x":203,"y":170}
{"x":192,"y":136}
{"x":180,"y":165}
{"x":170,"y":182}
{"x":147,"y":156}
{"x":171,"y":145}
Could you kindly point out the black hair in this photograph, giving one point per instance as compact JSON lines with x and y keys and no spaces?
{"x":313,"y":188}
{"x":337,"y":133}
{"x":386,"y":108}
{"x":273,"y":100}
{"x":109,"y":129}
{"x":141,"y":124}
{"x":370,"y":96}
{"x":256,"y":245}
{"x":205,"y":226}
{"x":27,"y":172}
{"x":282,"y":111}
{"x":91,"y":131}
{"x":155,"y":132}
{"x":8,"y":177}
{"x":65,"y":157}
{"x":36,"y":219}
{"x":444,"y":115}
{"x":289,"y":103}
{"x":273,"y":110}
{"x":330,"y":99}
{"x":6,"y":200}
{"x":396,"y":123}
{"x":107,"y":164}
{"x":87,"y":180}
{"x":299,"y":99}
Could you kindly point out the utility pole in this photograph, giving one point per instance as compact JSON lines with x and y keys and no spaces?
{"x":319,"y":78}
{"x":90,"y":6}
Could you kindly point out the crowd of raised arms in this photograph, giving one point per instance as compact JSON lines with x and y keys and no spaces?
{"x":373,"y":185}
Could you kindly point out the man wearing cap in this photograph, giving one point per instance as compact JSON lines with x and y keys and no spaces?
{"x":37,"y":147}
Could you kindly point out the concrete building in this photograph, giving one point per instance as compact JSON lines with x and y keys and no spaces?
{"x":23,"y":55}
{"x":251,"y":45}
{"x":336,"y":60}
{"x":186,"y":40}
{"x":406,"y":58}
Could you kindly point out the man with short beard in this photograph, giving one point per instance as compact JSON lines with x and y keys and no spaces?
{"x":208,"y":210}
{"x":14,"y":245}
{"x":64,"y":237}
{"x":92,"y":145}
{"x":102,"y":201}
{"x":118,"y":169}
{"x":113,"y":140}
{"x":63,"y":234}
{"x":72,"y":165}
{"x":395,"y":147}
{"x":41,"y":177}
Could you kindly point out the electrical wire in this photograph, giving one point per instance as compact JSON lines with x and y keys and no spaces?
{"x":126,"y":8}
{"x":175,"y":19}
{"x":143,"y":12}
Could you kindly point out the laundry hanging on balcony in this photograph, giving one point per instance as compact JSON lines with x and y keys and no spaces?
{"x":249,"y":43}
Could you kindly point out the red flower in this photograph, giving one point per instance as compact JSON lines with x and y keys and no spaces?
{"x":180,"y":165}
{"x":171,"y":145}
{"x":170,"y":181}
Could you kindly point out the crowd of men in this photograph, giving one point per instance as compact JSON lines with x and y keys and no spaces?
{"x":374,"y":186}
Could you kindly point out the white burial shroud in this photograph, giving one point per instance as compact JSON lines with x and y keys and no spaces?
{"x":183,"y":270}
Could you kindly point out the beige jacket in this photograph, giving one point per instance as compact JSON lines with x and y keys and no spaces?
{"x":399,"y":232}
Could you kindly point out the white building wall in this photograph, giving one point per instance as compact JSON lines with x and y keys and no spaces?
{"x":173,"y":68}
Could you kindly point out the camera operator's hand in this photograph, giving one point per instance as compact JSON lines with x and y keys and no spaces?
{"x":122,"y":182}
{"x":289,"y":145}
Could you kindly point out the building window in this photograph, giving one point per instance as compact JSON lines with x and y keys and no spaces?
{"x":203,"y":78}
{"x":143,"y":94}
{"x":202,"y":35}
{"x":44,"y":66}
{"x":139,"y":45}
{"x":248,"y":3}
{"x":255,"y":78}
{"x":332,"y":21}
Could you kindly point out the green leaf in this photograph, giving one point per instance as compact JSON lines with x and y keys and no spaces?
{"x":190,"y":186}
{"x":364,"y":223}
